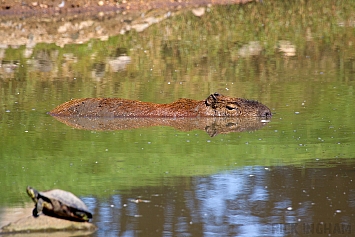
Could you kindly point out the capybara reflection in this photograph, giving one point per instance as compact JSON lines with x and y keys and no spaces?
{"x":216,"y":105}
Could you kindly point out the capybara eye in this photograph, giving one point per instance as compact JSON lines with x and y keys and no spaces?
{"x":231,"y":106}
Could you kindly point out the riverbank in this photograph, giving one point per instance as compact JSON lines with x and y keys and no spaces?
{"x":30,"y":22}
{"x":26,"y":8}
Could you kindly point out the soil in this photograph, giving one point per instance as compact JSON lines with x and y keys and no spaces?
{"x":64,"y":7}
{"x":62,"y":22}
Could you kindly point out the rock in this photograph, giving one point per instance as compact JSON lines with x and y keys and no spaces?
{"x":43,"y":223}
{"x":140,"y":27}
{"x":199,"y":11}
{"x":64,"y":28}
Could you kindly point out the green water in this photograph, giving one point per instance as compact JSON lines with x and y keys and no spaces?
{"x":310,"y":94}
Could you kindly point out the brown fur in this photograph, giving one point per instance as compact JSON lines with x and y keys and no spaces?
{"x":215,"y":105}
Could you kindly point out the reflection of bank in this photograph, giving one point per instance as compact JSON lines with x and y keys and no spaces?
{"x":114,"y":64}
{"x":212,"y":125}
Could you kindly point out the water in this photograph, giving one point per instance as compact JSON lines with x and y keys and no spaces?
{"x":290,"y":176}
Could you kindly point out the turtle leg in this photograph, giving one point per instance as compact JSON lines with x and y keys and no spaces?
{"x":38,"y":208}
{"x":82,"y":215}
{"x":34,"y":212}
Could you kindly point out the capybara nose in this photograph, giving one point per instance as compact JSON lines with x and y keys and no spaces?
{"x":265,"y":112}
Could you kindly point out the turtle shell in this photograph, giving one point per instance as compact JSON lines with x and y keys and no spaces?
{"x":67,"y":200}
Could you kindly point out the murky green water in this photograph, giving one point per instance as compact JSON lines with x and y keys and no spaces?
{"x":283,"y":179}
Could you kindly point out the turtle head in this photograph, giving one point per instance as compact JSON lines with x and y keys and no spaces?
{"x":33,"y":193}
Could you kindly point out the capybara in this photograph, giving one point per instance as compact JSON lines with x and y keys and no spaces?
{"x":216,"y":105}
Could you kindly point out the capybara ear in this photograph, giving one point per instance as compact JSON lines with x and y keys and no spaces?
{"x":212,"y":98}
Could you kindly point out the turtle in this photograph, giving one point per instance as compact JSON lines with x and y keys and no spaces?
{"x":59,"y":203}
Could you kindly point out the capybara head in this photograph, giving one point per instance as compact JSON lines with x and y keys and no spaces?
{"x":229,"y":106}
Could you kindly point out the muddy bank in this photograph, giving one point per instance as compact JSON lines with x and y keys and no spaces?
{"x":76,"y":29}
{"x":62,"y":22}
{"x":25,"y":8}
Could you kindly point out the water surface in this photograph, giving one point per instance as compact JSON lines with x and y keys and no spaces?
{"x":291,"y":176}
